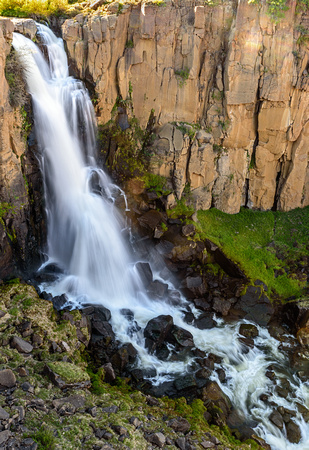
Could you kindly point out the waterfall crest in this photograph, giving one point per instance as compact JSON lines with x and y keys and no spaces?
{"x":85,"y":240}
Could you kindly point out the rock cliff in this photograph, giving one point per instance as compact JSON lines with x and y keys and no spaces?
{"x":229,"y":68}
{"x":20,"y":189}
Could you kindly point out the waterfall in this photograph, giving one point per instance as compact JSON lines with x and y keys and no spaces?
{"x":85,"y":239}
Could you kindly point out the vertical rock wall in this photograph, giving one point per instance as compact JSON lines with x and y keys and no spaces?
{"x":18,"y":172}
{"x":229,"y":68}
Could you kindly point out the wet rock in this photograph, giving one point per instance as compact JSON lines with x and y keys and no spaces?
{"x":21,"y":345}
{"x":293,"y":432}
{"x":248,"y":330}
{"x":261,"y":442}
{"x":97,"y":313}
{"x":7,"y":378}
{"x":150,"y":220}
{"x":157,"y":439}
{"x":194,"y":286}
{"x":205,"y":322}
{"x":185,"y":383}
{"x":125,"y":355}
{"x":276,"y":418}
{"x":157,"y":289}
{"x":256,"y":305}
{"x":179,"y":424}
{"x":59,"y":301}
{"x":103,"y":329}
{"x":180,"y":336}
{"x":156,"y":331}
{"x":221,"y":305}
{"x":216,"y":402}
{"x":144,"y":272}
{"x":203,"y":304}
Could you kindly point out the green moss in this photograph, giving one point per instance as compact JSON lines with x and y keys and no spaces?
{"x":182,"y":209}
{"x":69,"y":372}
{"x":266,"y":245}
{"x":156,"y":183}
{"x":182,"y":75}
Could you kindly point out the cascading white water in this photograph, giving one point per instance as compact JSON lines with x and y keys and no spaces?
{"x":85,"y":240}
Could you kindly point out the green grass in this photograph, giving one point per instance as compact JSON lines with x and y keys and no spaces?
{"x":268,"y":246}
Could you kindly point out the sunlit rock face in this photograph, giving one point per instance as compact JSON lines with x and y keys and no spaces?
{"x":231,"y":69}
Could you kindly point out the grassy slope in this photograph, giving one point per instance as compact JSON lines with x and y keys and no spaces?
{"x":270,"y":246}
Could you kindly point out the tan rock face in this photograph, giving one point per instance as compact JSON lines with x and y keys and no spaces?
{"x":243,"y":78}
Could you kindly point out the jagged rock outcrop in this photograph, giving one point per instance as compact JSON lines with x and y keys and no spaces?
{"x":228,"y":67}
{"x":20,"y":185}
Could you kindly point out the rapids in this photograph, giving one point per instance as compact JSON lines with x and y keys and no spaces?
{"x":86,"y":240}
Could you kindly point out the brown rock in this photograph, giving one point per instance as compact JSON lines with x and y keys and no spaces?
{"x":21,"y":345}
{"x":7,"y":378}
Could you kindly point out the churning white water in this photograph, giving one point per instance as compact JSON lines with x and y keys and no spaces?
{"x":85,"y":239}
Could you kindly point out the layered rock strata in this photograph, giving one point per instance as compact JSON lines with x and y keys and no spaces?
{"x":230,"y":68}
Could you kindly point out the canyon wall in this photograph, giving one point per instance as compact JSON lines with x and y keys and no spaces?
{"x":20,"y":185}
{"x":229,"y":68}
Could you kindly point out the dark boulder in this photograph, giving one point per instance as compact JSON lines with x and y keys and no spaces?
{"x":145,"y":273}
{"x":59,"y":301}
{"x":125,"y":355}
{"x":256,"y":305}
{"x":205,"y":322}
{"x":248,"y":330}
{"x":156,"y":331}
{"x":157,"y":289}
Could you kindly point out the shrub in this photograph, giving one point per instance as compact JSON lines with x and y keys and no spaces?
{"x":25,"y":8}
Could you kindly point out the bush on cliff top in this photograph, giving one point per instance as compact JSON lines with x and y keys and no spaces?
{"x":25,"y":8}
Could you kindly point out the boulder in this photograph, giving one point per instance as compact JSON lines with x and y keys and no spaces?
{"x":7,"y":378}
{"x":145,"y":273}
{"x":179,"y":425}
{"x":156,"y":331}
{"x":21,"y":345}
{"x":256,"y":305}
{"x":248,"y":330}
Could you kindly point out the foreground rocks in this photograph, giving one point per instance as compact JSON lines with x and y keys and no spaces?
{"x":35,"y":408}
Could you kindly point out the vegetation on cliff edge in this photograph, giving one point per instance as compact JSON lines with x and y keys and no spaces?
{"x":270,"y":246}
